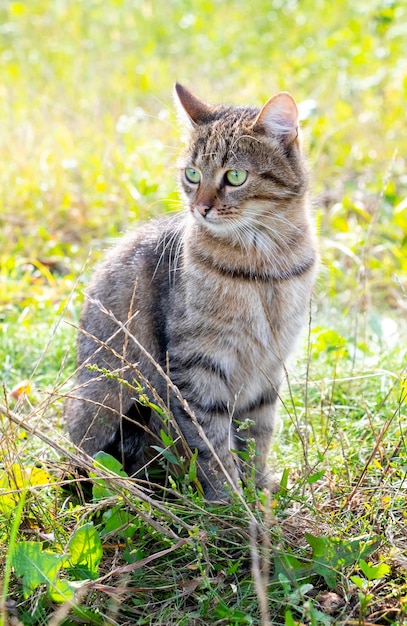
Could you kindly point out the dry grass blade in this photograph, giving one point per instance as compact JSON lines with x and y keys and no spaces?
{"x":125,"y":569}
{"x":379,"y":440}
{"x":116,"y":483}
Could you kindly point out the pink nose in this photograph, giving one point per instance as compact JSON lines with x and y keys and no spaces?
{"x":203,"y":209}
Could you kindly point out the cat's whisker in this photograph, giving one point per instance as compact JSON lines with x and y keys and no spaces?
{"x":166,"y":244}
{"x":252,"y":227}
{"x":274,"y":232}
{"x":173,"y":260}
{"x":177,"y":241}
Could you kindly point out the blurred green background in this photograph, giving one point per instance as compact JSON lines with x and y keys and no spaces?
{"x":89,"y":137}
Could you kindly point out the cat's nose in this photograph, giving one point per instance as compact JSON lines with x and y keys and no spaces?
{"x":204,"y":209}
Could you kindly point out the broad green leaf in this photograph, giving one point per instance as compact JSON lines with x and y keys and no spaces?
{"x":85,"y":552}
{"x":61,"y":591}
{"x":35,"y":565}
{"x":290,"y":567}
{"x":120,"y":521}
{"x":329,"y":340}
{"x":358,"y":581}
{"x":107,"y":461}
{"x":101,"y":489}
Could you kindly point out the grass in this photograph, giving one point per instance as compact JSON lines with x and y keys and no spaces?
{"x":87,"y":149}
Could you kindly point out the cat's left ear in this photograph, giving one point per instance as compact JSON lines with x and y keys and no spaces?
{"x":279,"y":117}
{"x":196,"y":110}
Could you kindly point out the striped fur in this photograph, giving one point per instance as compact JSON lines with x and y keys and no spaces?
{"x":217,"y":296}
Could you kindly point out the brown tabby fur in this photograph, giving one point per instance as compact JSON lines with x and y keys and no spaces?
{"x":216,"y":295}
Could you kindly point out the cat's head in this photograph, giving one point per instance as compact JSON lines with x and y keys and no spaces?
{"x":242,"y":165}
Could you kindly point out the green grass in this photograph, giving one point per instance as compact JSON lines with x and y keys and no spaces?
{"x":88,"y":148}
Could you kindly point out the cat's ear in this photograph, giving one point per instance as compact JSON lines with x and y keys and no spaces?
{"x":197,"y":111}
{"x":279,"y":117}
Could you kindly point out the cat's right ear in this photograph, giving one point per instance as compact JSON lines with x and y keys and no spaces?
{"x":279,"y":117}
{"x":195,"y":110}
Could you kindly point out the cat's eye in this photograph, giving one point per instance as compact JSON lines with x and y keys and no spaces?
{"x":236,"y":177}
{"x":192,"y":175}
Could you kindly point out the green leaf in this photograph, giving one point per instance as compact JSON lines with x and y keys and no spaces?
{"x":101,"y":489}
{"x":233,"y":568}
{"x":331,"y":554}
{"x":166,"y":438}
{"x":329,"y":340}
{"x":284,"y":482}
{"x":290,"y":567}
{"x":315,"y":477}
{"x":288,"y":619}
{"x":233,"y":616}
{"x":8,"y":500}
{"x":36,"y":566}
{"x":85,"y":552}
{"x":359,"y":581}
{"x":132,"y":555}
{"x":374,"y":572}
{"x":168,"y":455}
{"x":120,"y":521}
{"x":106,"y":461}
{"x":192,"y":467}
{"x":61,"y":591}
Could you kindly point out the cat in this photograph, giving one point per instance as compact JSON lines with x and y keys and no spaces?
{"x":216,"y":296}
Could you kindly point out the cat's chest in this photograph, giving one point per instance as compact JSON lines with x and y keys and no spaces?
{"x":228,"y":339}
{"x":233,"y":304}
{"x":235,"y":322}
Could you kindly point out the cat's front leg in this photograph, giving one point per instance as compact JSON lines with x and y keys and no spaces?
{"x":218,"y":479}
{"x":212,"y":436}
{"x":259,"y":435}
{"x":265,"y":476}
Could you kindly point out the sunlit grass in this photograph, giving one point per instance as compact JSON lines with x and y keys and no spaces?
{"x":88,"y":148}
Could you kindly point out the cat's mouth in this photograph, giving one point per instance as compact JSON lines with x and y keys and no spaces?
{"x":216,"y":222}
{"x":229,"y":227}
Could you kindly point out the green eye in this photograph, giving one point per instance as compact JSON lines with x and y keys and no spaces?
{"x":236,"y":177}
{"x":192,"y":175}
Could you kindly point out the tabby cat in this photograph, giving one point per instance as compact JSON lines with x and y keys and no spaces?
{"x":216,"y":295}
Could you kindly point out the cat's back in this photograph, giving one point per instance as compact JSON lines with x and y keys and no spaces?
{"x":132,"y":286}
{"x":143,"y":259}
